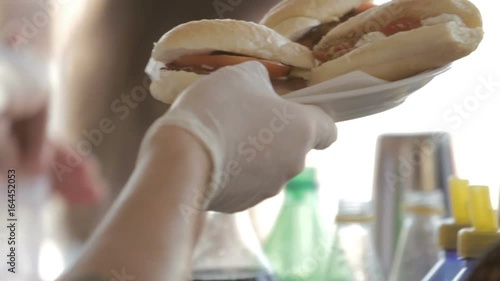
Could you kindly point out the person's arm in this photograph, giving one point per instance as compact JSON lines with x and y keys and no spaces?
{"x":149,"y":234}
{"x":226,"y":144}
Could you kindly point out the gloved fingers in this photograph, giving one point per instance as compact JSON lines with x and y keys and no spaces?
{"x":254,"y":70}
{"x":258,"y":197}
{"x":233,"y":204}
{"x":325,"y":130}
{"x":249,"y":76}
{"x":240,"y":195}
{"x":327,"y":108}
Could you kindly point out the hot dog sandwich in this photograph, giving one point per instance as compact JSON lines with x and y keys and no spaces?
{"x":399,"y":39}
{"x":307,"y":21}
{"x":191,"y":50}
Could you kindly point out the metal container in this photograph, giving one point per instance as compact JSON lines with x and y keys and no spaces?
{"x":419,"y":161}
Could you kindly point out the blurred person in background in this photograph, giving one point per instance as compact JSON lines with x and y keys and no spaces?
{"x":27,"y":155}
{"x":18,"y":113}
{"x":25,"y":53}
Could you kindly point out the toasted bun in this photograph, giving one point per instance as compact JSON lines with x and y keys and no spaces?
{"x":234,"y":36}
{"x":405,"y":53}
{"x":375,"y":18}
{"x":205,"y":36}
{"x":294,"y":18}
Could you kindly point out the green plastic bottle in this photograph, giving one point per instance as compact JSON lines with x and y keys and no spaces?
{"x":297,"y":246}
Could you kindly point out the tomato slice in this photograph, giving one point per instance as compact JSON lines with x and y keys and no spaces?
{"x":401,"y":24}
{"x":206,"y":63}
{"x":364,"y":7}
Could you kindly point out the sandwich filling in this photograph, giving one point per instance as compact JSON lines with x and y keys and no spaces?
{"x":341,"y":46}
{"x":207,"y":63}
{"x":313,"y":36}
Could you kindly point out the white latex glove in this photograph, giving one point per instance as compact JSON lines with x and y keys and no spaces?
{"x":257,"y":140}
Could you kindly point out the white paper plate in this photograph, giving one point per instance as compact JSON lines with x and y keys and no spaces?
{"x":364,"y":100}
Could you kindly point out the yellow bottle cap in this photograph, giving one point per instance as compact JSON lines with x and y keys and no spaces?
{"x":481,"y":213}
{"x":459,"y":189}
{"x":448,"y":231}
{"x":474,"y":242}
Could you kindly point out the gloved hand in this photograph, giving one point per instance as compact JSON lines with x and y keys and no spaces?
{"x":256,"y":139}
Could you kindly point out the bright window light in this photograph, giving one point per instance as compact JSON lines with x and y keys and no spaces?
{"x":51,"y":263}
{"x":380,"y":2}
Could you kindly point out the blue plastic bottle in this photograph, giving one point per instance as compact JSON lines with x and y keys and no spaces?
{"x":463,"y":274}
{"x":447,"y":267}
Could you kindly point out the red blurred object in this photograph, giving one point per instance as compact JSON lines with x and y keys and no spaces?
{"x":80,"y":183}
